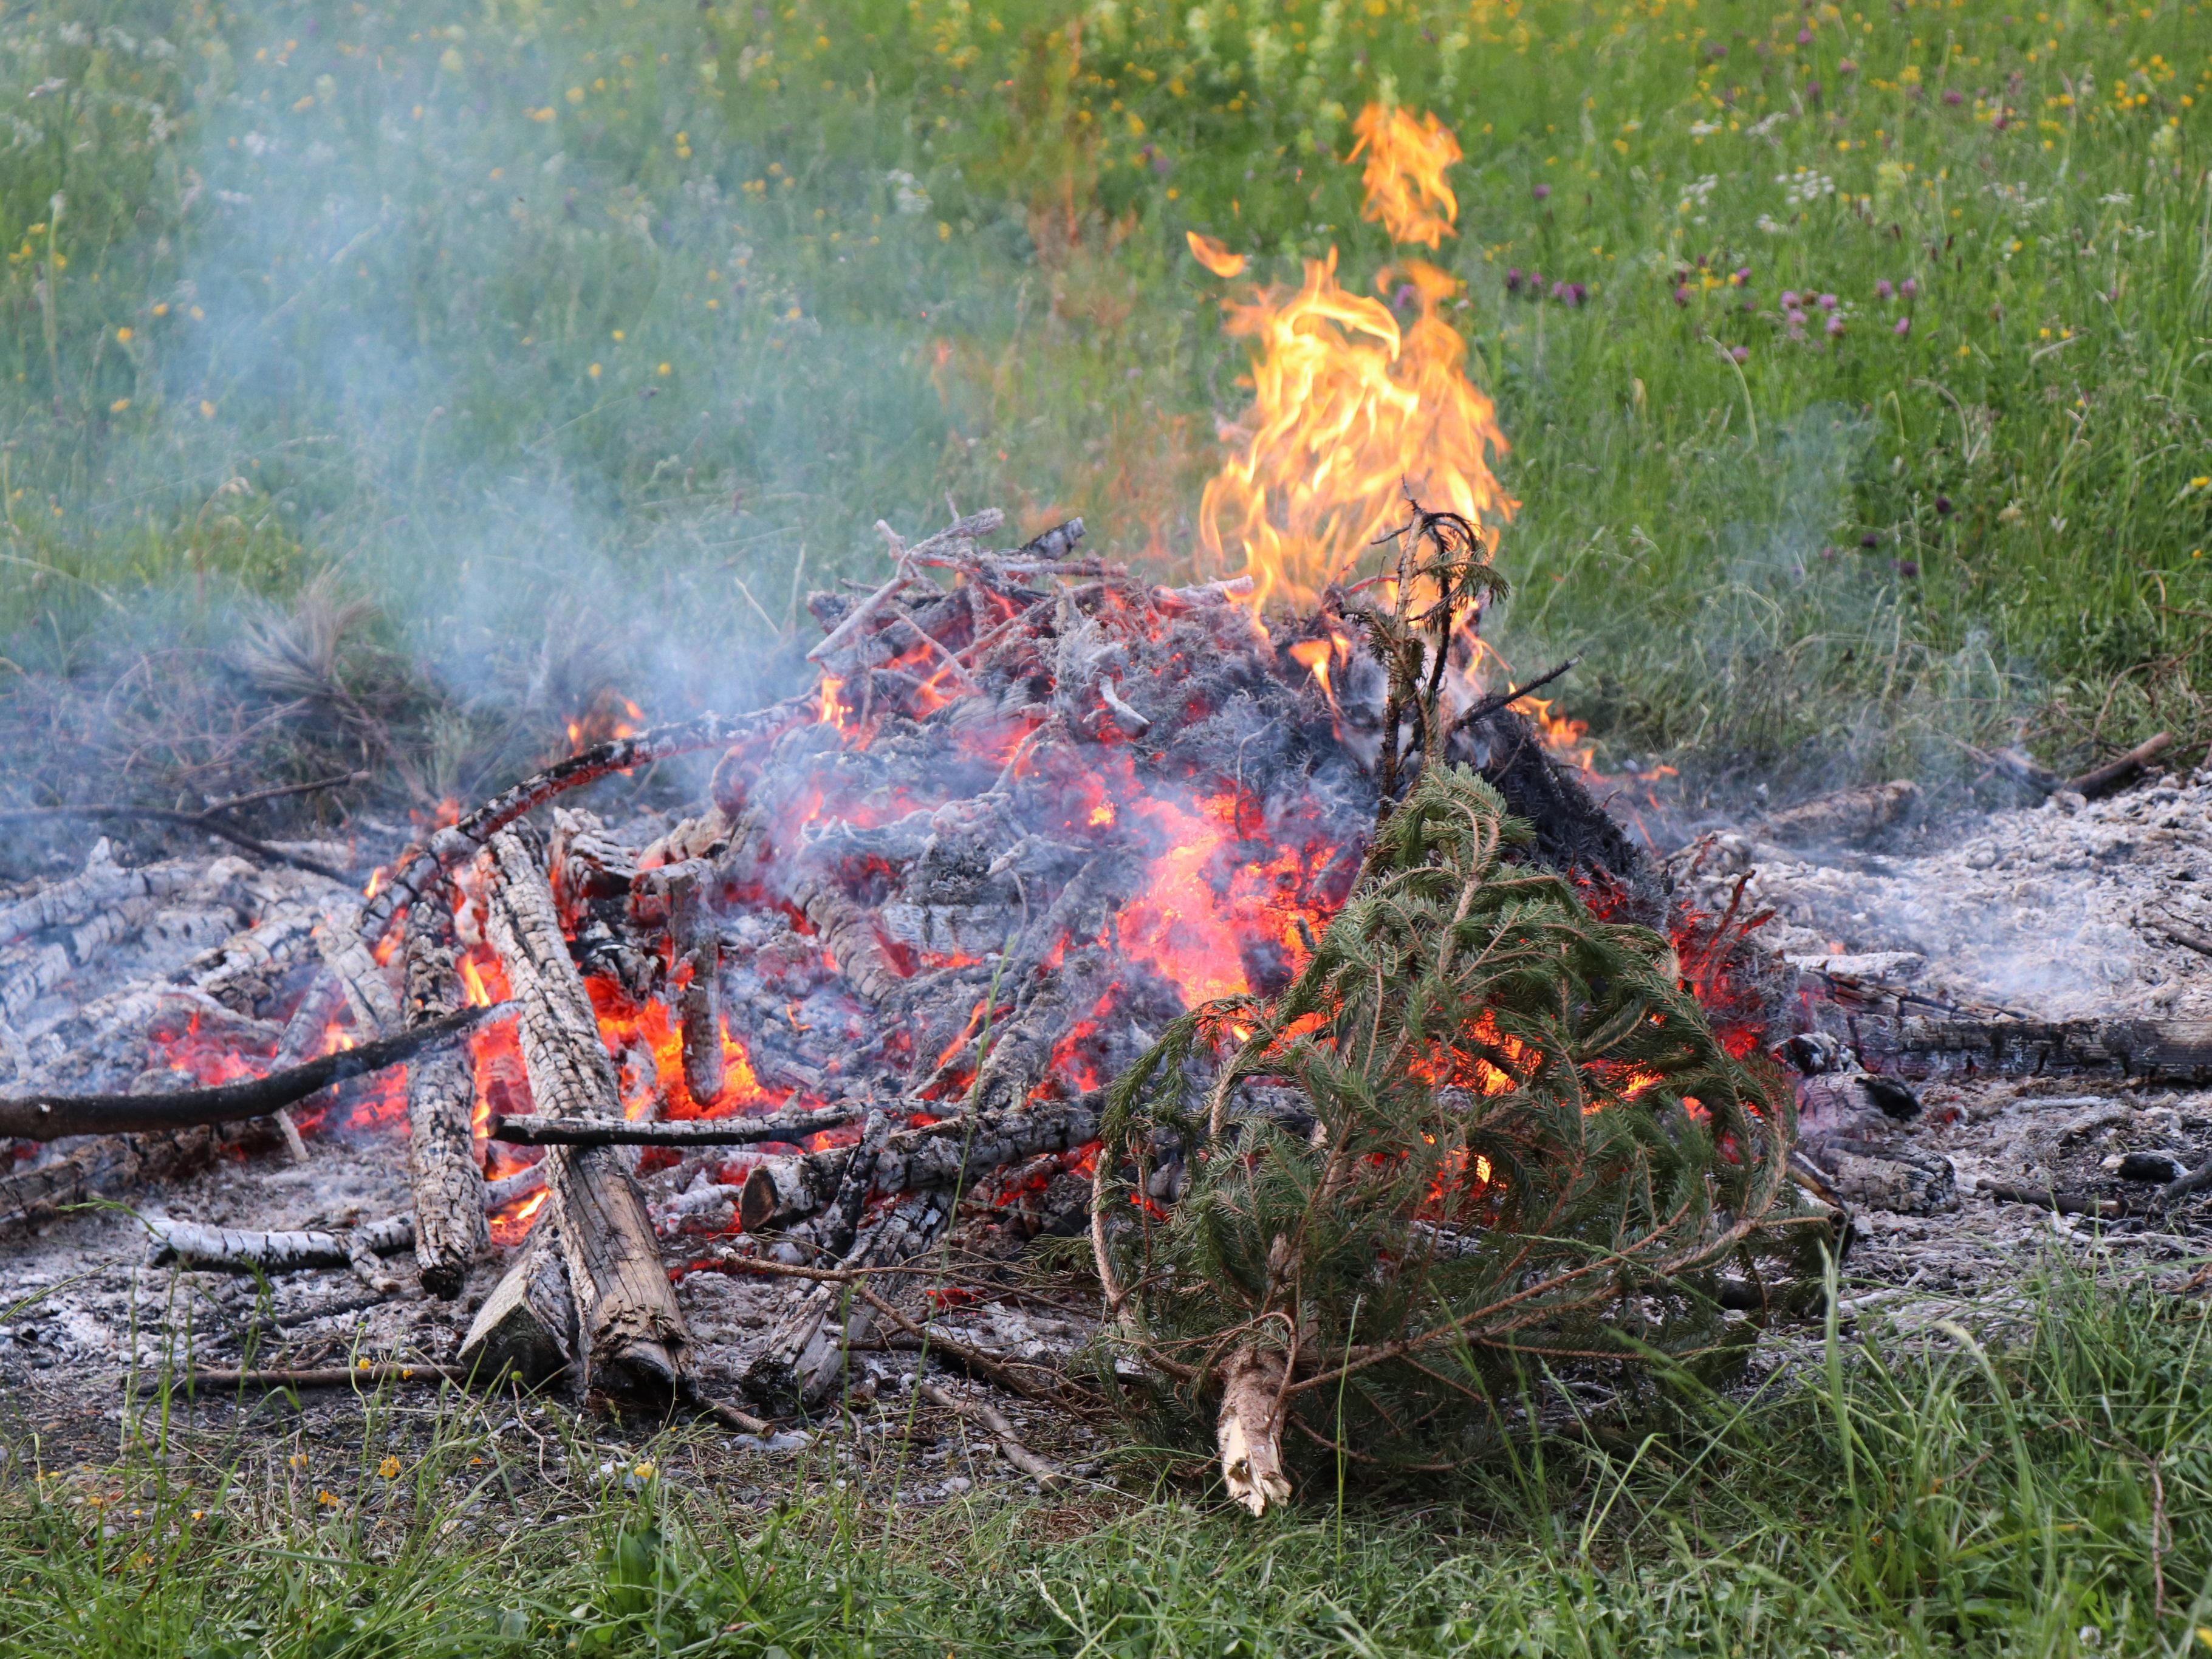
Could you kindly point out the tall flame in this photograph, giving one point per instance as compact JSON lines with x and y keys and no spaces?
{"x":1404,"y":178}
{"x":1349,"y":410}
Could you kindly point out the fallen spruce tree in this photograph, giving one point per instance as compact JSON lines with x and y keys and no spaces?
{"x":1527,"y":1147}
{"x":1516,"y":1142}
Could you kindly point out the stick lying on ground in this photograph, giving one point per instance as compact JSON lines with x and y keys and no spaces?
{"x":320,"y":1376}
{"x":695,"y":1131}
{"x":50,"y":1117}
{"x":2098,"y":780}
{"x":2061,"y":1203}
{"x":1042,"y":1470}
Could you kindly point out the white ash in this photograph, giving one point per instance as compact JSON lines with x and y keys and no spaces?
{"x":2050,"y":911}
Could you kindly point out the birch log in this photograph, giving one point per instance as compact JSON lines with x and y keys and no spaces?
{"x":630,"y":1334}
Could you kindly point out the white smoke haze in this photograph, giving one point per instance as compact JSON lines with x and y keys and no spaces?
{"x":489,"y":318}
{"x":529,"y":328}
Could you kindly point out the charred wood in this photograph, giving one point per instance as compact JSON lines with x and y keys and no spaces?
{"x":457,"y":844}
{"x":52,"y":1117}
{"x":528,"y":1325}
{"x":631,"y":1334}
{"x":850,"y":933}
{"x":1847,"y":815}
{"x":236,"y":1250}
{"x":2156,"y":1050}
{"x":790,"y":1127}
{"x":805,"y":1353}
{"x":952,"y":1152}
{"x":103,"y":884}
{"x":369,"y":993}
{"x":442,"y":1167}
{"x":103,"y":1164}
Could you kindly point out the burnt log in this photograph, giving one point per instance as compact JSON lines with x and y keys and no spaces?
{"x":952,"y":1152}
{"x":850,"y":933}
{"x":2152,"y":1050}
{"x":103,"y":1164}
{"x":441,"y":1165}
{"x":1572,"y":831}
{"x":804,"y":1355}
{"x":791,"y":1126}
{"x":630,"y":1333}
{"x":231,"y":1249}
{"x":677,"y":895}
{"x":52,"y":1117}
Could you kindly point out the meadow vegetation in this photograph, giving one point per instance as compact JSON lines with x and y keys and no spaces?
{"x":2039,"y":1483}
{"x":1852,"y":360}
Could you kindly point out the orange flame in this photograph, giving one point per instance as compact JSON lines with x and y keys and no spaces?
{"x":1349,"y":410}
{"x":1407,"y":194}
{"x":1211,"y":252}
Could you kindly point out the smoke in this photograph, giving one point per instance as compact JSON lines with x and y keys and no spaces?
{"x":495,"y":324}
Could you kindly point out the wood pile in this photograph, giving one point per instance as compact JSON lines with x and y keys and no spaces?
{"x":1028,"y":814}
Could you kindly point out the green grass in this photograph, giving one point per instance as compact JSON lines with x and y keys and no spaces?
{"x":367,"y":261}
{"x":2040,"y":1488}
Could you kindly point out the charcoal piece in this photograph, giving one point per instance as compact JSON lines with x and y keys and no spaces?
{"x":2161,"y":1167}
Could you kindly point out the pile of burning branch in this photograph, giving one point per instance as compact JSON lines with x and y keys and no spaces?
{"x":1027,"y":819}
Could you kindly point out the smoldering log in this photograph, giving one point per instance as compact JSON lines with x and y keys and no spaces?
{"x":457,"y":844}
{"x":954,"y":1152}
{"x":592,"y":874}
{"x":630,"y":1333}
{"x":441,"y":1166}
{"x":52,"y":1117}
{"x":369,"y":993}
{"x":850,"y":934}
{"x":789,"y":1127}
{"x":677,"y":893}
